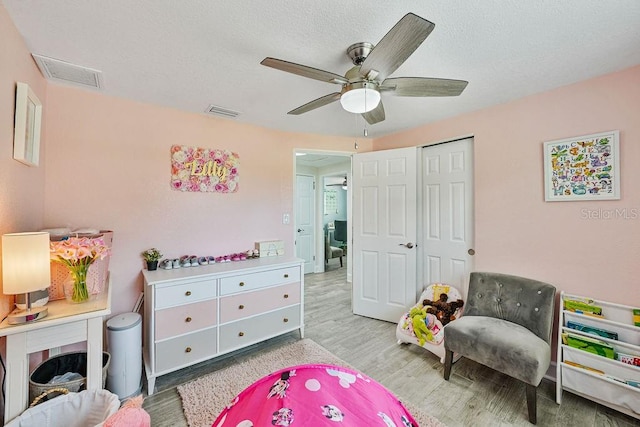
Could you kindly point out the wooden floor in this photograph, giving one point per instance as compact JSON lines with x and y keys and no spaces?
{"x":475,"y":395}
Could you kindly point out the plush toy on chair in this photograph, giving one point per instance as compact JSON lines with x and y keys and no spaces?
{"x":443,"y":310}
{"x":421,"y":320}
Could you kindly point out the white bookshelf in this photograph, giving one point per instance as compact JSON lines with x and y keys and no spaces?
{"x":607,"y":389}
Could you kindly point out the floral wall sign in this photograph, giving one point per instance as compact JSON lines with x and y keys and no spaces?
{"x":204,"y":169}
{"x":582,"y":168}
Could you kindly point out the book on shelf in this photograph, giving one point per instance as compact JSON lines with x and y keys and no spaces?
{"x":592,"y":330}
{"x":629,"y":359}
{"x":588,"y":344}
{"x":588,"y":368}
{"x":582,"y":307}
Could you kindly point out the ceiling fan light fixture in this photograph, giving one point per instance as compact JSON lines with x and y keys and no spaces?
{"x":360,"y":99}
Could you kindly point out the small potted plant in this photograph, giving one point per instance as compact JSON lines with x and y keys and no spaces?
{"x":152,"y":256}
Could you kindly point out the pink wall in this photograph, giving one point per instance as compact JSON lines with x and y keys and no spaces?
{"x":108,"y":167}
{"x":517,"y":232}
{"x":21,"y":186}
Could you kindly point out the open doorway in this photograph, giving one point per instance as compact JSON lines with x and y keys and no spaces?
{"x":331,"y":172}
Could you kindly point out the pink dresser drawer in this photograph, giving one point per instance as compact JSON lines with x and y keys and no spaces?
{"x":247,"y":304}
{"x":183,"y":319}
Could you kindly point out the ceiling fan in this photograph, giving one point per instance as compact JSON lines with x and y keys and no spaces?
{"x":363,"y":84}
{"x":342,"y":184}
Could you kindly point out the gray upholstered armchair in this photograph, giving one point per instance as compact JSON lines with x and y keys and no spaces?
{"x":331,"y":251}
{"x":506,"y":326}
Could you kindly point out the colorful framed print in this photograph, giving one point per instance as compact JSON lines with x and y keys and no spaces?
{"x":582,"y":168}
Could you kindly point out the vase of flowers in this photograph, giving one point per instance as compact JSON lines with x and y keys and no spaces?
{"x":77,"y":254}
{"x":152,"y":256}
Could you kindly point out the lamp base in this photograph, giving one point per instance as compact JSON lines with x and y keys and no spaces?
{"x":19,"y":317}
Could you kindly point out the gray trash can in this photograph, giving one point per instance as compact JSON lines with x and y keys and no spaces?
{"x":124,"y":340}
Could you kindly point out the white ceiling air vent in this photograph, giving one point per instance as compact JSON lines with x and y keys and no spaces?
{"x":222,"y":112}
{"x":54,"y":69}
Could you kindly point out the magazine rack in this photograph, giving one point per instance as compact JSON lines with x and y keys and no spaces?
{"x":613,"y":382}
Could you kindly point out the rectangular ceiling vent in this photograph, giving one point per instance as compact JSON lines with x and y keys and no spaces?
{"x":222,"y":112}
{"x":54,"y":69}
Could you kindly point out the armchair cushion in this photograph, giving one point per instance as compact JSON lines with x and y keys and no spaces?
{"x":526,"y":302}
{"x":504,"y":346}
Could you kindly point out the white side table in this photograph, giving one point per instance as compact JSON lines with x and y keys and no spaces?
{"x":66,"y":324}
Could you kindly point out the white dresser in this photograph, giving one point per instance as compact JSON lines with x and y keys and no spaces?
{"x":197,"y":313}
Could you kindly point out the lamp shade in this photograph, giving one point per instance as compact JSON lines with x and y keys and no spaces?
{"x":360,"y":100}
{"x":25,"y":262}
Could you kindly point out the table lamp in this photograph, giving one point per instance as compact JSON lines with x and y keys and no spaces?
{"x":25,"y":268}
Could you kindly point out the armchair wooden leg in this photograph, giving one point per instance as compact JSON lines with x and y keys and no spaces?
{"x":448,"y":360}
{"x":340,"y":261}
{"x":531,"y":403}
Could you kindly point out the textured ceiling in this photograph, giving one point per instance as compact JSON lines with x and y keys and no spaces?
{"x":193,"y":53}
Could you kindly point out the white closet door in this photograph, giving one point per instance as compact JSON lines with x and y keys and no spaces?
{"x":447,"y":213}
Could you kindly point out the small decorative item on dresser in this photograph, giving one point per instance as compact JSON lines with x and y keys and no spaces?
{"x":152,"y":256}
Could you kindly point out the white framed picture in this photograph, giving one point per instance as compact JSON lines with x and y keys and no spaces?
{"x":584,"y":167}
{"x":28,"y":119}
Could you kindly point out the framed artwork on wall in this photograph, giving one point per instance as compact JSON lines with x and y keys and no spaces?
{"x":582,"y":168}
{"x":28,"y":118}
{"x":330,"y":202}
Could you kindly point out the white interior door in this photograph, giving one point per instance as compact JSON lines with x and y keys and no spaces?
{"x":384,"y":233}
{"x":305,"y":236}
{"x":447,"y":213}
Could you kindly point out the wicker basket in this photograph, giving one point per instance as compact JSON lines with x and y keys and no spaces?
{"x":60,"y":364}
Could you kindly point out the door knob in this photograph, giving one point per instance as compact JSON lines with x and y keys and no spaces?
{"x":407,"y":245}
{"x":300,"y":230}
{"x":471,"y":252}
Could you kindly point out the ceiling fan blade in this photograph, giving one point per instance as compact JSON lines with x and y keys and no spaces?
{"x":396,"y":46}
{"x":341,"y":184}
{"x":375,"y":116}
{"x":316,"y":103}
{"x":423,"y":86}
{"x":304,"y":71}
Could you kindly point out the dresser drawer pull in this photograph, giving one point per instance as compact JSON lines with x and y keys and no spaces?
{"x":188,"y":293}
{"x":286,"y":295}
{"x":286,"y":275}
{"x":285,"y":320}
{"x":187,"y":350}
{"x":240,"y":334}
{"x":188,"y":319}
{"x":241,"y":283}
{"x":240,"y":307}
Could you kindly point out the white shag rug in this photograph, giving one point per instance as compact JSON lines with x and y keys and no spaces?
{"x":203,"y":399}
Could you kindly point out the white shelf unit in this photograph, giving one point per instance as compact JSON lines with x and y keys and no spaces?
{"x":603,"y":389}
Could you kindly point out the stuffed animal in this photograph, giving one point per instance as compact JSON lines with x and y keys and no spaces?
{"x":443,"y":310}
{"x":130,"y":414}
{"x":421,"y":320}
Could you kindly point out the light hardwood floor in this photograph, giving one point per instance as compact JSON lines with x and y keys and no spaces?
{"x":475,"y":395}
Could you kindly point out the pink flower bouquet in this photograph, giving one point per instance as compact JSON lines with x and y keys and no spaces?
{"x":77,"y":254}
